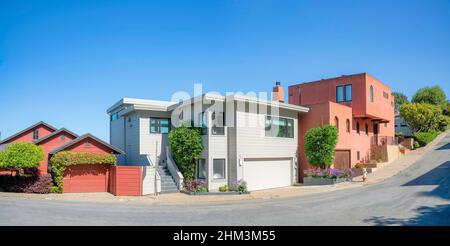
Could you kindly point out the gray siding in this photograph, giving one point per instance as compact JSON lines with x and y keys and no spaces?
{"x":152,"y":144}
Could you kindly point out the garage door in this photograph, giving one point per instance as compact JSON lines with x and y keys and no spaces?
{"x":267,"y":173}
{"x":86,"y":178}
{"x":342,"y":159}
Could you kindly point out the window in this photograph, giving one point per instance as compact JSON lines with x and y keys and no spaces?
{"x":367,"y":129}
{"x":63,"y":137}
{"x":344,"y":93}
{"x":336,"y":122}
{"x":36,"y":134}
{"x":87,"y":145}
{"x":279,"y":127}
{"x":347,"y":125}
{"x":218,"y":168}
{"x":371,"y":93}
{"x":357,"y":127}
{"x":203,"y":123}
{"x":114,"y":116}
{"x":357,"y":155}
{"x":385,"y":124}
{"x":219,"y":119}
{"x":159,"y":125}
{"x":201,"y":169}
{"x":385,"y":95}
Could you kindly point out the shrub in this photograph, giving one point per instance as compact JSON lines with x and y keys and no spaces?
{"x":185,"y":145}
{"x":424,"y":138}
{"x":64,"y":159}
{"x":416,"y":145}
{"x":195,"y":186}
{"x":30,"y":183}
{"x":444,"y":123}
{"x":320,"y":144}
{"x":421,"y":117}
{"x":329,"y":173}
{"x":21,"y":156}
{"x":224,"y":188}
{"x":239,"y":186}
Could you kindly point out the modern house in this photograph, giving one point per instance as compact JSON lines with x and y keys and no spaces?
{"x":243,"y":138}
{"x":78,"y":178}
{"x":401,"y":127}
{"x":359,"y":105}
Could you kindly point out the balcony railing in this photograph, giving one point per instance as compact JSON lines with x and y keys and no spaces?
{"x":383,"y":140}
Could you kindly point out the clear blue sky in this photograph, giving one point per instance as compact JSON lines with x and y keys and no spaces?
{"x":66,"y":62}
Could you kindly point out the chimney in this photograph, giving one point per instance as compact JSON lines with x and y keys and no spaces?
{"x":278,"y":92}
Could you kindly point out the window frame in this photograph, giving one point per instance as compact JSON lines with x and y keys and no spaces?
{"x":197,"y":170}
{"x":371,"y":93}
{"x":289,"y":133}
{"x":224,"y":177}
{"x":345,"y":93}
{"x":347,"y":126}
{"x":36,"y":134}
{"x":159,"y":125}
{"x":358,"y":130}
{"x":214,"y":128}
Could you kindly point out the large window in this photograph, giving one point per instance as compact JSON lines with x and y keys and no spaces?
{"x":159,"y":125}
{"x":114,"y":116}
{"x":201,"y":169}
{"x":218,"y":168}
{"x":218,"y":119}
{"x":279,"y":127}
{"x":344,"y":93}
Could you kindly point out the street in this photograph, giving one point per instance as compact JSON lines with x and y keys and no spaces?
{"x":417,"y":196}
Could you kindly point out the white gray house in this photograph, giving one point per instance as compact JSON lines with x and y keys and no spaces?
{"x":401,"y":127}
{"x":243,"y":138}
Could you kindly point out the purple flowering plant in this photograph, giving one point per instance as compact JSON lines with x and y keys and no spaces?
{"x":329,"y":173}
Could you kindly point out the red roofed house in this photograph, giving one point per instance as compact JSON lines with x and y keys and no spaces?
{"x":78,"y":178}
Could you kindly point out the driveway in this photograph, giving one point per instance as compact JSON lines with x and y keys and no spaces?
{"x":419,"y":195}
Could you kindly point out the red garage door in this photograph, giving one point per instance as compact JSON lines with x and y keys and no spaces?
{"x":86,"y":178}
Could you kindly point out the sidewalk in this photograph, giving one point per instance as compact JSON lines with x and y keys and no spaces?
{"x":377,"y":176}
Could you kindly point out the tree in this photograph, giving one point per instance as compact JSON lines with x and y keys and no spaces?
{"x":432,"y":95}
{"x":21,"y":156}
{"x":421,"y":117}
{"x":320,"y":144}
{"x":399,"y":100}
{"x":446,"y":110}
{"x":185,"y":144}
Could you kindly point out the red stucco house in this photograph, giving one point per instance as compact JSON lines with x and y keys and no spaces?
{"x":78,"y":178}
{"x":361,"y":106}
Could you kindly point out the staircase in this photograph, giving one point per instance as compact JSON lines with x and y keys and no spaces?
{"x":168,"y":185}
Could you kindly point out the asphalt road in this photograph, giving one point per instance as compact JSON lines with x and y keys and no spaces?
{"x":419,"y":195}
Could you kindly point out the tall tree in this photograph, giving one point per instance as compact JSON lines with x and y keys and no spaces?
{"x":432,"y":95}
{"x":399,"y":100}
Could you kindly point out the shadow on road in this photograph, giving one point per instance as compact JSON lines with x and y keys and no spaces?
{"x":426,"y":216}
{"x":444,"y":147}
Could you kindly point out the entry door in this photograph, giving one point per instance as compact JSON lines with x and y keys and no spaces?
{"x":342,"y":159}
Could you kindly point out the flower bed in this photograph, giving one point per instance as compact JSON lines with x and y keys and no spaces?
{"x":199,"y":187}
{"x":327,"y":176}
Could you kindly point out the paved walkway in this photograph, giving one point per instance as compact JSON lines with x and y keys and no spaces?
{"x":379,"y":175}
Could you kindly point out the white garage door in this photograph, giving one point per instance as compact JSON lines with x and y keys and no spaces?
{"x":267,"y":173}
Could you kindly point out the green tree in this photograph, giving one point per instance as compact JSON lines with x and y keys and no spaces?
{"x":421,"y":117}
{"x":432,"y":95}
{"x":320,"y":144}
{"x":399,"y":100}
{"x":185,"y":145}
{"x":446,"y":110}
{"x":21,"y":156}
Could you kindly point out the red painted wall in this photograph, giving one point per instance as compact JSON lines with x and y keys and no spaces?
{"x":28,"y":135}
{"x":51,"y":144}
{"x":94,"y":147}
{"x":126,"y":181}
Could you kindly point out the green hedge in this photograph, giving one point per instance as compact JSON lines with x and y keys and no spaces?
{"x":424,"y":138}
{"x":21,"y":156}
{"x":64,"y":159}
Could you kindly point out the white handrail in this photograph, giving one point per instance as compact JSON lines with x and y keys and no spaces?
{"x":174,"y":171}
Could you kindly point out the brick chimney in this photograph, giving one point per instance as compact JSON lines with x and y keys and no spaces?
{"x":278,"y":92}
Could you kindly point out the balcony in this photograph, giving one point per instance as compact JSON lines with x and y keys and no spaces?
{"x":383,"y":140}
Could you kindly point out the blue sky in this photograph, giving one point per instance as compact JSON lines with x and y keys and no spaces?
{"x":66,"y":62}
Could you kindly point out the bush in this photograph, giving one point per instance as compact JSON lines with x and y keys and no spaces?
{"x":185,"y":145}
{"x":195,"y":186}
{"x":64,"y":159}
{"x":416,"y":145}
{"x":424,"y":138}
{"x":239,"y":186}
{"x":444,"y":123}
{"x":421,"y":117}
{"x":320,"y":144}
{"x":32,"y":183}
{"x":21,"y":156}
{"x":224,"y":188}
{"x":329,"y":173}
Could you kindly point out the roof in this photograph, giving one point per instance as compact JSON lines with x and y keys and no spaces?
{"x":144,"y":103}
{"x":78,"y":139}
{"x":40,"y":140}
{"x":26,"y":130}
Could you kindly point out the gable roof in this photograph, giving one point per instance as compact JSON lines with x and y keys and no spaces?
{"x":78,"y":139}
{"x":26,"y":130}
{"x":40,"y":140}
